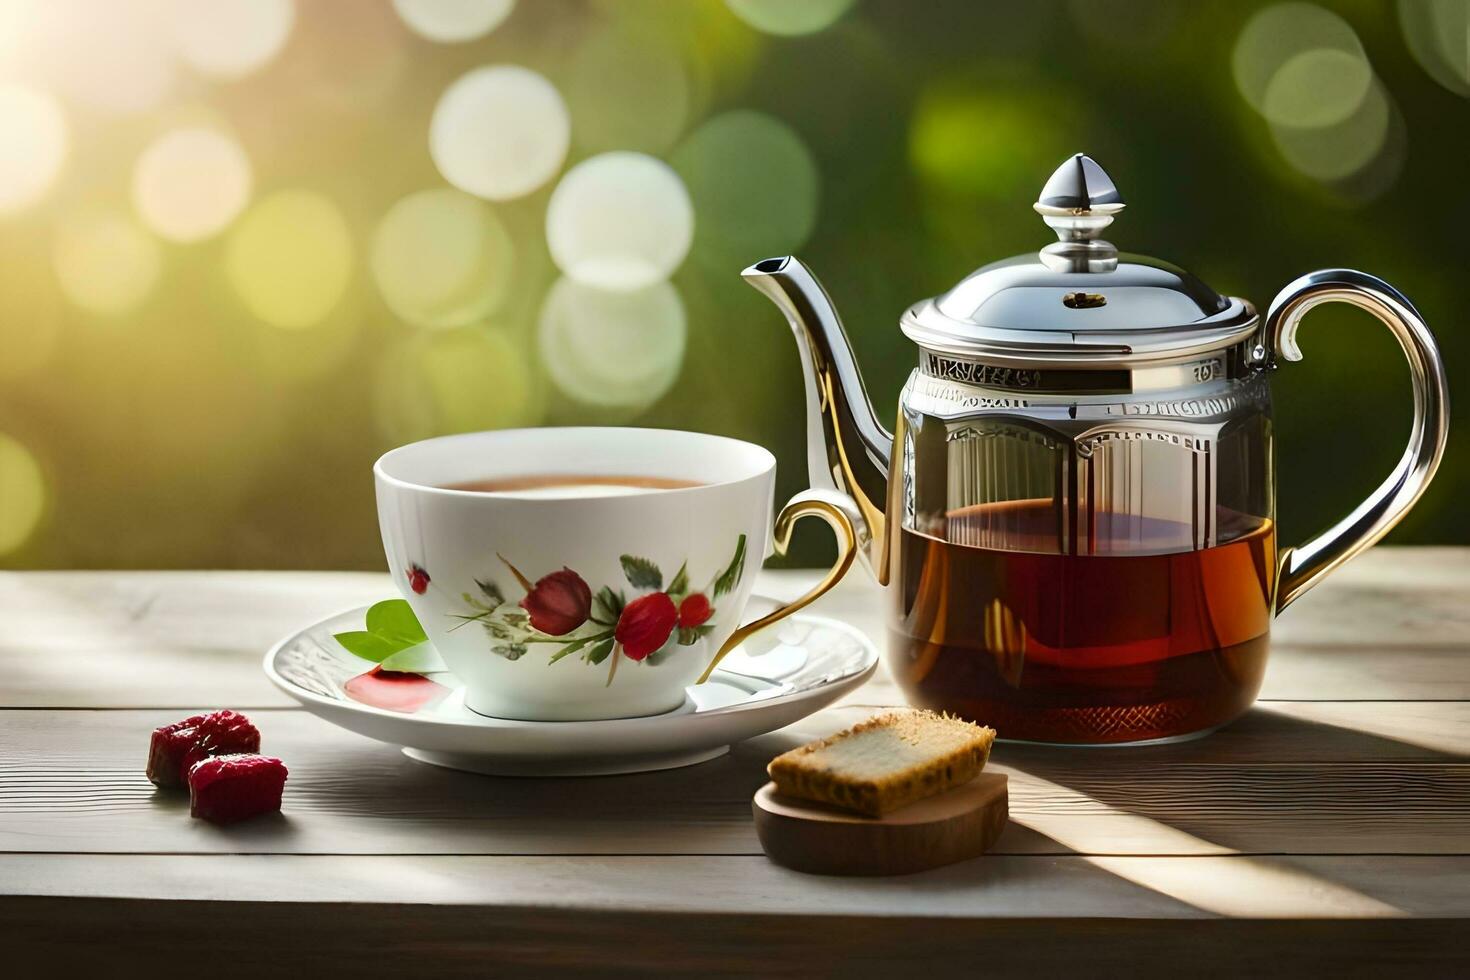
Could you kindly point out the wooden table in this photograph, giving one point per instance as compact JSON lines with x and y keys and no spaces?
{"x":1330,"y":827}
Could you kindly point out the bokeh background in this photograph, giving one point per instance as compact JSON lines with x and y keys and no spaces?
{"x":248,"y":245}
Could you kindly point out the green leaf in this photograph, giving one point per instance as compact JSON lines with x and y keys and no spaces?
{"x":393,"y":619}
{"x":661,"y":654}
{"x":730,"y":577}
{"x":510,"y":651}
{"x":576,"y":645}
{"x":491,"y":592}
{"x":368,"y":646}
{"x":599,"y":652}
{"x":421,"y":659}
{"x":607,"y":606}
{"x":642,"y":573}
{"x":391,"y":627}
{"x":689,"y":635}
{"x":479,"y":617}
{"x":680,"y":584}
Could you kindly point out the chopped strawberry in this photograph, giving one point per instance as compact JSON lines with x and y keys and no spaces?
{"x":175,"y":748}
{"x":228,"y":788}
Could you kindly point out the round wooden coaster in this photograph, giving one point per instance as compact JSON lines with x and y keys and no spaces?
{"x":953,"y":826}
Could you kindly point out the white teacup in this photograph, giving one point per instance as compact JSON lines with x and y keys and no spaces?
{"x":584,"y":602}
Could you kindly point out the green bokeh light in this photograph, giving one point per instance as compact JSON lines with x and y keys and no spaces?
{"x":461,"y":380}
{"x":979,"y":140}
{"x":1438,"y":35}
{"x":290,"y":258}
{"x":1317,"y":87}
{"x":23,"y":489}
{"x":1278,"y":32}
{"x":783,"y":17}
{"x":442,"y":258}
{"x":1336,"y":152}
{"x":754,"y":185}
{"x":627,"y":91}
{"x":615,"y":350}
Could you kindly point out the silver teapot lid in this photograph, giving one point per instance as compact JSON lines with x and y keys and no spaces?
{"x":1079,"y":301}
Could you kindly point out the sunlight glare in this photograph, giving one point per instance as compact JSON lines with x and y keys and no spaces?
{"x":34,"y":148}
{"x":499,"y":132}
{"x":230,"y":38}
{"x":620,"y":221}
{"x":451,"y":21}
{"x":189,"y":184}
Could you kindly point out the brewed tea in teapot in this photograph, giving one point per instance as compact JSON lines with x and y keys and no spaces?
{"x":1074,"y":516}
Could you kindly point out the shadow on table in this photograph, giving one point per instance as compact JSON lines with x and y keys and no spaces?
{"x":1270,"y":783}
{"x":1265,"y":794}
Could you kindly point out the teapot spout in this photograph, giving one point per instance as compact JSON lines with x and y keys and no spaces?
{"x":848,"y":449}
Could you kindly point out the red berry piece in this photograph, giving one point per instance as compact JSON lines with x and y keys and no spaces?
{"x":645,"y":624}
{"x":175,"y":748}
{"x":229,"y":788}
{"x":694,"y":610}
{"x":418,"y":579}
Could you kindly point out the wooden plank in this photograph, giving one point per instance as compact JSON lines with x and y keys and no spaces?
{"x":158,"y":639}
{"x":1345,"y":778}
{"x":118,"y":938}
{"x":993,"y":886}
{"x":1392,"y":625}
{"x":734,"y":916}
{"x":1388,"y":597}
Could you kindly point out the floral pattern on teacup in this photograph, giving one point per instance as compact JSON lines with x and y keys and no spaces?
{"x":647,"y":622}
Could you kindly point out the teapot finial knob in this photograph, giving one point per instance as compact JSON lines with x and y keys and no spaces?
{"x":1079,"y":200}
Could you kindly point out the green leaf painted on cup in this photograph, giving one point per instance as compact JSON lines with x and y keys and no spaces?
{"x":642,"y":573}
{"x":689,"y":635}
{"x":662,"y":653}
{"x":598,"y":653}
{"x":680,"y":584}
{"x":578,"y":644}
{"x":607,"y":606}
{"x":730,"y":577}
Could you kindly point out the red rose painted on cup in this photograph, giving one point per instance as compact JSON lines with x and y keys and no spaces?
{"x":646,"y":624}
{"x":558,"y":603}
{"x":695,"y":610}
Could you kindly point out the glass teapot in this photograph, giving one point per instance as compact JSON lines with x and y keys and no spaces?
{"x":1075,"y":517}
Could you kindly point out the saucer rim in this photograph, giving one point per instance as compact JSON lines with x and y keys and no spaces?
{"x":594,"y":725}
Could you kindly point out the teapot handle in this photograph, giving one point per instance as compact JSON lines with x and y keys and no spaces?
{"x":1302,"y":567}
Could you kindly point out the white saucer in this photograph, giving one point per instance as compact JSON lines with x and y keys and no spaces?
{"x":808,"y":662}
